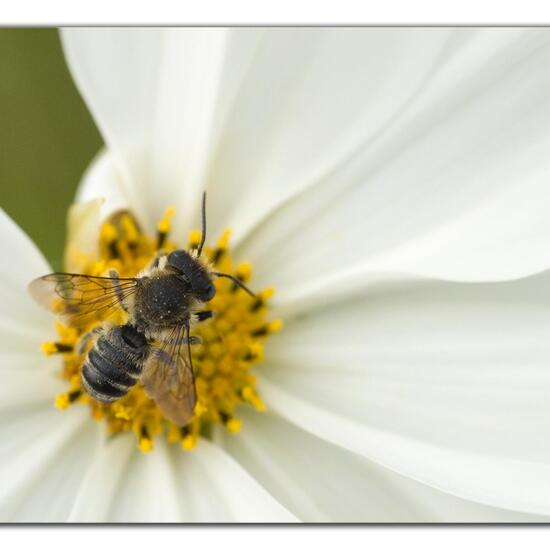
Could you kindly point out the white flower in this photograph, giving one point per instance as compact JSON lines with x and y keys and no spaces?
{"x":371,"y":175}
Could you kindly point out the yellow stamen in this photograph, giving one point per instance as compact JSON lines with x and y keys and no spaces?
{"x":125,"y":413}
{"x":233,"y":341}
{"x":49,"y":348}
{"x":145,"y":445}
{"x":275,"y":325}
{"x":194,"y":238}
{"x":255,"y":351}
{"x":62,"y":401}
{"x":258,"y":404}
{"x":130,"y":227}
{"x":244,"y":271}
{"x":266,"y":293}
{"x":108,"y":232}
{"x":250,"y":396}
{"x":224,"y":239}
{"x":189,"y":442}
{"x":164,"y":224}
{"x":233,"y":425}
{"x":199,"y":409}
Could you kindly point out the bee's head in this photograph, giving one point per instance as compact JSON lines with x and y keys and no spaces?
{"x":193,"y":273}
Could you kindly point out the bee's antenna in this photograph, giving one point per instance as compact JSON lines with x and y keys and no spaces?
{"x":203,"y":235}
{"x":237,"y":281}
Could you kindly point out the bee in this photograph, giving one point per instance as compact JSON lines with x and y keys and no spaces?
{"x":154,"y":346}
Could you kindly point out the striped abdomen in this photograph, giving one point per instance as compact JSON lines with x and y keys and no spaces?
{"x":114,"y":363}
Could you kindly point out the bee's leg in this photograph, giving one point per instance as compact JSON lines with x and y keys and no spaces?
{"x":197,"y":318}
{"x":113,"y":273}
{"x":85,"y":339}
{"x":203,"y":316}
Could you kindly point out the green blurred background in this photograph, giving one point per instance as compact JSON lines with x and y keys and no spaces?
{"x":47,"y":136}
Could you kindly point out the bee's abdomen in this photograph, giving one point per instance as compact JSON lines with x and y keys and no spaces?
{"x":114,"y":364}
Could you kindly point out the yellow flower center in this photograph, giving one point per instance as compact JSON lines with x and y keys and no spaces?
{"x":232,"y":341}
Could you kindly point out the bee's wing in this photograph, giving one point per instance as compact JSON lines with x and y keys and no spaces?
{"x":168,"y":377}
{"x":81,"y":299}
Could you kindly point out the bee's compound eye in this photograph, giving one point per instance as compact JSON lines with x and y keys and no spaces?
{"x":209,"y":292}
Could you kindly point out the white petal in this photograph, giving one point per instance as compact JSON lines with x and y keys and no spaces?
{"x":216,"y":488}
{"x":320,"y":482}
{"x":51,"y":496}
{"x":309,"y":100}
{"x":149,"y":490}
{"x":253,"y":115}
{"x":43,"y":455}
{"x":103,"y":181}
{"x":454,"y":186}
{"x":156,"y":94}
{"x":27,"y":375}
{"x":82,"y":235}
{"x":446,"y":383}
{"x":26,"y":382}
{"x":96,"y":495}
{"x":39,"y":464}
{"x":116,"y":75}
{"x":19,"y":315}
{"x":169,"y":485}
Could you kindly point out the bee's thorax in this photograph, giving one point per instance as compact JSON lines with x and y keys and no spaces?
{"x":161,"y":301}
